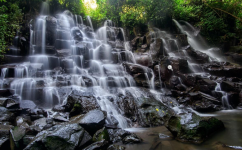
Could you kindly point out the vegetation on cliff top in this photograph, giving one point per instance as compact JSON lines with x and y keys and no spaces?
{"x":219,"y":20}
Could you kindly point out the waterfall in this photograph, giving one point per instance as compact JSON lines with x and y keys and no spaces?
{"x":224,"y":98}
{"x":90,"y":22}
{"x":196,"y":41}
{"x":4,"y":71}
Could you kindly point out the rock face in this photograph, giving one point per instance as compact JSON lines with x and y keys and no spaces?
{"x":193,"y":128}
{"x":223,"y":69}
{"x":66,"y":137}
{"x":145,"y":111}
{"x":81,"y":102}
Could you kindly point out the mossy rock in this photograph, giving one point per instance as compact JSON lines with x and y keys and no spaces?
{"x":190,"y":127}
{"x":101,"y":134}
{"x":76,"y":110}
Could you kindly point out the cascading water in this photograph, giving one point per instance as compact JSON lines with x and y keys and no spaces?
{"x":224,"y":98}
{"x":197,"y":42}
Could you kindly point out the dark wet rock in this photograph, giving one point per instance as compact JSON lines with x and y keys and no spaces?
{"x":234,"y":57}
{"x":3,"y":102}
{"x":135,"y":42}
{"x":58,"y":108}
{"x":93,"y":121}
{"x":27,"y":139}
{"x":101,"y":134}
{"x":118,"y":135}
{"x":40,"y":123}
{"x":223,"y":69}
{"x":182,"y":39}
{"x":146,"y":111}
{"x":188,"y":79}
{"x":16,"y":137}
{"x":157,"y":47}
{"x":174,"y":81}
{"x":131,"y":139}
{"x":205,"y":106}
{"x":162,"y":71}
{"x":206,"y":85}
{"x":22,"y":119}
{"x":233,"y":99}
{"x":85,"y":100}
{"x":4,"y":143}
{"x":134,"y":68}
{"x":76,"y":34}
{"x":62,"y":137}
{"x":198,"y":56}
{"x":229,"y":86}
{"x":97,"y":145}
{"x":116,"y":147}
{"x":144,"y":60}
{"x":141,"y":80}
{"x":6,"y":116}
{"x":179,"y":64}
{"x":61,"y":117}
{"x":190,"y":127}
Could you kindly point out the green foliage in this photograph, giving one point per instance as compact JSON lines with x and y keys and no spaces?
{"x":10,"y":18}
{"x":219,"y":21}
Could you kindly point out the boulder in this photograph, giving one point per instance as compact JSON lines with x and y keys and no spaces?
{"x":145,"y":111}
{"x":93,"y":121}
{"x":6,"y":116}
{"x":157,"y":48}
{"x":198,"y":56}
{"x":101,"y":134}
{"x":229,"y":86}
{"x":16,"y":137}
{"x":182,"y":39}
{"x":61,"y":137}
{"x":118,"y":135}
{"x":144,"y":60}
{"x":190,"y":127}
{"x":131,"y":139}
{"x":81,"y":102}
{"x":27,"y":104}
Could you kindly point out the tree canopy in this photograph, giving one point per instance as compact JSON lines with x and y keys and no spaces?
{"x":219,"y":20}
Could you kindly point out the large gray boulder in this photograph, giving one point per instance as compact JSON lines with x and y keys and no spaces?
{"x":93,"y":121}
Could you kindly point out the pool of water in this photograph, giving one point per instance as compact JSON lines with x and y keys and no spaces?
{"x":232,"y":136}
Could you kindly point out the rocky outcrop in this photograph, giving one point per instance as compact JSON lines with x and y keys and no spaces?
{"x":81,"y":102}
{"x":193,"y":128}
{"x":223,"y":69}
{"x":145,"y":111}
{"x":66,"y":137}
